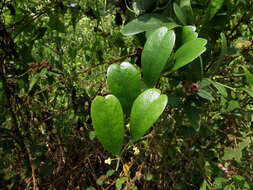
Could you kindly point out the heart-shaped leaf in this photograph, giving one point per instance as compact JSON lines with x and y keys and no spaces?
{"x":124,"y":81}
{"x":155,"y":54}
{"x":147,"y":22}
{"x":188,"y":34}
{"x":107,"y":120}
{"x":185,"y":34}
{"x":146,"y":109}
{"x":188,"y":52}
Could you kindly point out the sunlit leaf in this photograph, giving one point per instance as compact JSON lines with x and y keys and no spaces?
{"x":107,"y":120}
{"x":156,"y":53}
{"x":124,"y":81}
{"x":188,"y":52}
{"x":146,"y":109}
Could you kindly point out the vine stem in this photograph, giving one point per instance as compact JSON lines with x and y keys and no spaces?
{"x":121,"y":154}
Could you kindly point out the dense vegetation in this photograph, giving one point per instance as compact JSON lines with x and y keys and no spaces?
{"x":58,"y":132}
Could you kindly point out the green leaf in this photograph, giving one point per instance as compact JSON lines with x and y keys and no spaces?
{"x":188,"y":52}
{"x":240,"y":181}
{"x":194,"y":115}
{"x":120,"y":182}
{"x":250,"y":92}
{"x":147,"y":22}
{"x":101,"y":179}
{"x":149,"y":177}
{"x":91,"y":188}
{"x":110,"y":172}
{"x":232,"y":105}
{"x":229,"y":187}
{"x":244,"y":144}
{"x":146,"y":109}
{"x":249,"y":76}
{"x":221,"y":89}
{"x":107,"y":120}
{"x":124,"y":81}
{"x":205,"y":94}
{"x":56,"y":24}
{"x":187,"y":10}
{"x":230,"y":154}
{"x":155,"y":54}
{"x":213,"y":7}
{"x":92,"y":135}
{"x":34,"y":80}
{"x":204,"y":186}
{"x":187,"y":34}
{"x":219,"y":182}
{"x":179,"y":14}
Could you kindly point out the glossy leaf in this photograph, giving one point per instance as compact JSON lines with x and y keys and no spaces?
{"x":185,"y":34}
{"x":148,"y":106}
{"x":188,"y":52}
{"x":107,"y":120}
{"x":124,"y":81}
{"x":179,"y":13}
{"x":188,"y":34}
{"x":249,"y":76}
{"x":147,"y":22}
{"x":187,"y":10}
{"x":156,"y":53}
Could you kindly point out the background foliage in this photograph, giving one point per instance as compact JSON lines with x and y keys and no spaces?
{"x":54,"y":57}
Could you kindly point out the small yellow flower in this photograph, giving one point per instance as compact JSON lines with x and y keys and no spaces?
{"x":136,"y":150}
{"x":108,"y":161}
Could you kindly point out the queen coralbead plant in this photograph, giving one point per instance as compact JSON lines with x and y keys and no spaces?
{"x":134,"y":97}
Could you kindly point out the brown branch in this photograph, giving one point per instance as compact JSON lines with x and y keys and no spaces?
{"x":84,"y":71}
